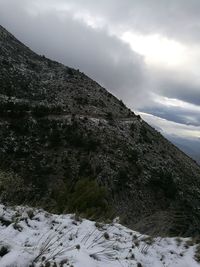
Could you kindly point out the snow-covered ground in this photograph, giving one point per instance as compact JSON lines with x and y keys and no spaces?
{"x":31,"y":237}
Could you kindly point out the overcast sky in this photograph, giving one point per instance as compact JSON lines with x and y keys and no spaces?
{"x":146,"y":52}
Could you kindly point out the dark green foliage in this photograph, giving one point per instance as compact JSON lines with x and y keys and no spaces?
{"x":20,"y":128}
{"x":55,"y":138}
{"x":12,"y":109}
{"x":85,"y":169}
{"x":70,"y":71}
{"x":12,"y":187}
{"x":89,"y":198}
{"x":132,"y":155}
{"x":133,"y":127}
{"x":76,"y":138}
{"x":86,"y":197}
{"x":109,"y":116}
{"x":41,"y":110}
{"x":34,"y":66}
{"x":164,"y":180}
{"x":122,"y":177}
{"x":91,"y":143}
{"x":81,"y":100}
{"x":45,"y":110}
{"x":145,"y":137}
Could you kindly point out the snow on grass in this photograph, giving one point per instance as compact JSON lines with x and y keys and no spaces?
{"x":31,"y":237}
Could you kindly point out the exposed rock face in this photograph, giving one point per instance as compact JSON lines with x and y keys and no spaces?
{"x":59,"y":127}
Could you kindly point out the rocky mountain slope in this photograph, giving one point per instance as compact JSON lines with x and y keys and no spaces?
{"x":69,"y":145}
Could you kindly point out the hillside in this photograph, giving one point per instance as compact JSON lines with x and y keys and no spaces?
{"x":69,"y":145}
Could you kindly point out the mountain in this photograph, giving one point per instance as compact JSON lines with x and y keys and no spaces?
{"x":68,"y":145}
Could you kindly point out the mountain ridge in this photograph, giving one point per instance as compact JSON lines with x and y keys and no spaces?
{"x":62,"y":134}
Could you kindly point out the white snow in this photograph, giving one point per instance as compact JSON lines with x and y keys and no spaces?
{"x":36,"y":238}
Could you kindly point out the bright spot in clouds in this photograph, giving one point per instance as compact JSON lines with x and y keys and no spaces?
{"x":156,"y":49}
{"x":173,"y":102}
{"x":172,"y":128}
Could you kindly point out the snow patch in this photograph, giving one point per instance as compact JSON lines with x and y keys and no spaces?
{"x":33,"y":237}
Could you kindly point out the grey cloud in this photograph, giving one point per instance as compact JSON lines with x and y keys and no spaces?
{"x":178,"y":19}
{"x":175,"y":114}
{"x":174,"y":18}
{"x":182,"y":90}
{"x":103,"y":57}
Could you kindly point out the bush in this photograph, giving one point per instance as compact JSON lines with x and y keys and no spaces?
{"x":165,"y":181}
{"x":12,"y":188}
{"x":122,"y":177}
{"x":85,"y":168}
{"x":145,"y":135}
{"x":109,"y":116}
{"x":133,"y":155}
{"x":70,"y":71}
{"x":197,"y":254}
{"x":89,"y":198}
{"x":86,"y":197}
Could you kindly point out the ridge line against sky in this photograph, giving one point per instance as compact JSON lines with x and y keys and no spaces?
{"x":147,"y":53}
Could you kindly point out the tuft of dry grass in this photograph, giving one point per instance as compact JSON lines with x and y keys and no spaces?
{"x":197,"y":253}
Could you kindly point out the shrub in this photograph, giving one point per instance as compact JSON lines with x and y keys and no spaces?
{"x":122,"y":177}
{"x":41,"y":110}
{"x":144,"y":135}
{"x":70,"y":71}
{"x":85,"y":168}
{"x":91,"y":144}
{"x":12,"y":187}
{"x":55,"y":138}
{"x":89,"y":198}
{"x":132,"y":155}
{"x":133,"y":127}
{"x":109,"y":116}
{"x":86,"y":197}
{"x":164,"y":180}
{"x":197,"y":254}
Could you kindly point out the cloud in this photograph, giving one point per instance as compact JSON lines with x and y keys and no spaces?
{"x":64,"y":38}
{"x":142,"y":51}
{"x":175,"y":114}
{"x":177,"y":19}
{"x":171,"y":128}
{"x":183,"y":90}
